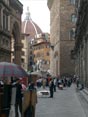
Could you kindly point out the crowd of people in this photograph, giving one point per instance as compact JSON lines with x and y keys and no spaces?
{"x":13,"y":93}
{"x":54,"y":83}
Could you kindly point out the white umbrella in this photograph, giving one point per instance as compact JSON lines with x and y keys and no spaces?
{"x":36,"y":73}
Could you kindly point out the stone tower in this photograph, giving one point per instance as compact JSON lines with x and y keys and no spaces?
{"x":62,"y":30}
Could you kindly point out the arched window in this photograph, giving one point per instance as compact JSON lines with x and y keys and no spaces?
{"x":73,"y":18}
{"x":5,"y":21}
{"x":72,"y":34}
{"x":0,"y":16}
{"x":47,"y":53}
{"x":7,"y":43}
{"x":73,"y":1}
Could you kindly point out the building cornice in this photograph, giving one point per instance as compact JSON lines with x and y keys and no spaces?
{"x":7,"y":6}
{"x":17,"y":5}
{"x":49,"y":3}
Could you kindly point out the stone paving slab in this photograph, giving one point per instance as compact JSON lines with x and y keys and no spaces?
{"x":64,"y":104}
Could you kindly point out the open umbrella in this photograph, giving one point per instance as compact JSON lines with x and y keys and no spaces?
{"x":38,"y":73}
{"x":11,"y":70}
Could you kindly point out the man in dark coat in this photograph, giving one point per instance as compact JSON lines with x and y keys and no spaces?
{"x":51,"y":88}
{"x":30,"y":112}
{"x":7,"y":88}
{"x":18,"y":98}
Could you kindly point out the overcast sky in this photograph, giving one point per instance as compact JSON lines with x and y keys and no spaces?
{"x":39,"y":11}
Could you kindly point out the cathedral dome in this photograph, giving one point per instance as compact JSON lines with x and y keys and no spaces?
{"x":30,"y":27}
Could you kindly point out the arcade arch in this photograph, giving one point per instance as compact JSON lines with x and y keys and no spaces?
{"x":16,"y":45}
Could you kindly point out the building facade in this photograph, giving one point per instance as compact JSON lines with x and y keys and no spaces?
{"x":30,"y":30}
{"x":81,"y":44}
{"x":62,"y":32}
{"x":41,"y":51}
{"x":10,"y":27}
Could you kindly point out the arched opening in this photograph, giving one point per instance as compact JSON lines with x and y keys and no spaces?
{"x":16,"y":44}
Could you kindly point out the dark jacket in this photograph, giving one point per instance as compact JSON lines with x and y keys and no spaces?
{"x":18,"y":92}
{"x":7,"y":96}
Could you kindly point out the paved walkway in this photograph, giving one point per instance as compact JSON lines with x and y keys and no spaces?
{"x":64,"y":104}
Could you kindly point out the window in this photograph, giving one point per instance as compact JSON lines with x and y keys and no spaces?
{"x":30,"y":57}
{"x":30,"y":47}
{"x":0,"y":16}
{"x":48,"y":62}
{"x":23,"y":53}
{"x":3,"y":41}
{"x":47,"y":53}
{"x":72,"y":33}
{"x":73,"y":1}
{"x":5,"y":21}
{"x":73,"y":18}
{"x":31,"y":63}
{"x":22,"y":60}
{"x":7,"y":43}
{"x":30,"y":52}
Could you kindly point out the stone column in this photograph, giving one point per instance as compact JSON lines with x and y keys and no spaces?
{"x":2,"y":16}
{"x":80,"y":63}
{"x":77,"y":60}
{"x":83,"y":69}
{"x":17,"y":53}
{"x":87,"y":62}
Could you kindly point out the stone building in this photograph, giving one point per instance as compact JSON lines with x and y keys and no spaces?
{"x":41,"y":51}
{"x":62,"y":32}
{"x":81,"y":44}
{"x":10,"y":27}
{"x":30,"y":30}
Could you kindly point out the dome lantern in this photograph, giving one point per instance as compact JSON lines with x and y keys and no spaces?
{"x":28,"y":14}
{"x":30,"y":27}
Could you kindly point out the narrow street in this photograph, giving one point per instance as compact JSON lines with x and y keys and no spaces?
{"x":66,"y":103}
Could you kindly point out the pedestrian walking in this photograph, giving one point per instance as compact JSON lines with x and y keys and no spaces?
{"x":18,"y":102}
{"x":32,"y":95}
{"x":7,"y":88}
{"x":1,"y":86}
{"x":77,"y":82}
{"x":44,"y":83}
{"x":55,"y":82}
{"x":51,"y":88}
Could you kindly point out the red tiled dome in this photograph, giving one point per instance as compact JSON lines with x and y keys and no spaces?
{"x":30,"y":27}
